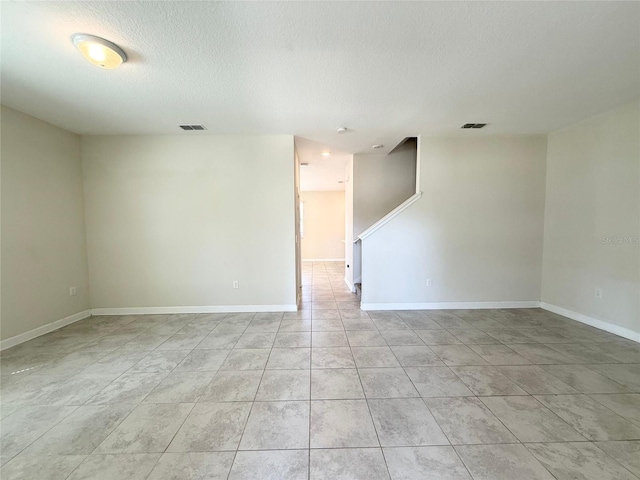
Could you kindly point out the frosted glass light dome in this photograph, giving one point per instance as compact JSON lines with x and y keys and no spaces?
{"x":100,"y":52}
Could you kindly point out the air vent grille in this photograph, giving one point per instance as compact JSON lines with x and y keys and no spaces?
{"x":474,"y":125}
{"x":192,"y":127}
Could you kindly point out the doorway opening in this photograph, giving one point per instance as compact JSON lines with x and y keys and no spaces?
{"x":323,"y":224}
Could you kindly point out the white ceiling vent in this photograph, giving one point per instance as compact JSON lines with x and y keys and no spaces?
{"x":192,"y":127}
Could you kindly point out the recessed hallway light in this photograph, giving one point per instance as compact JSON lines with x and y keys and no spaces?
{"x":325,"y":154}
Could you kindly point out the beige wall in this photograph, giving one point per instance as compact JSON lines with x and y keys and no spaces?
{"x":174,"y":220}
{"x":43,"y":235}
{"x":592,"y":219}
{"x":324,"y":225}
{"x":349,"y":250}
{"x":381,"y":183}
{"x":476,"y":232}
{"x":296,"y":200}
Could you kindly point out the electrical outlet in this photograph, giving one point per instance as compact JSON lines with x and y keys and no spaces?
{"x":429,"y":282}
{"x":598,"y":293}
{"x":72,"y":291}
{"x":236,"y":284}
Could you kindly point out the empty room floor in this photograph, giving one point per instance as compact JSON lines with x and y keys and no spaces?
{"x":329,"y":392}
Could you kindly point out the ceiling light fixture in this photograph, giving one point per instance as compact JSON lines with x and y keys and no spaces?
{"x":376,"y":147}
{"x":325,"y":154}
{"x":303,"y":165}
{"x":342,"y":130}
{"x":100,"y":52}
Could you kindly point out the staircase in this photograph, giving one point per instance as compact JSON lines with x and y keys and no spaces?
{"x":382,"y":187}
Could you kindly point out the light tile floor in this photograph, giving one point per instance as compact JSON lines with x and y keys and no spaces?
{"x":329,"y":392}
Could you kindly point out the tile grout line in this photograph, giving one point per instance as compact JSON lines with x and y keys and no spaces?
{"x":147,"y":395}
{"x":474,"y":396}
{"x":246,"y":422}
{"x":384,"y":457}
{"x":325,"y":283}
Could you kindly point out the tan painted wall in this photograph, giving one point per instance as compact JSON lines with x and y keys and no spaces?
{"x":43,"y":232}
{"x":323,"y":225}
{"x":349,"y":251}
{"x":592,"y":218}
{"x":476,"y":232}
{"x":381,"y":183}
{"x":174,"y":220}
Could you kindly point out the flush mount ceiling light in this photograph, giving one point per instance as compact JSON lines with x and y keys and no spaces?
{"x":325,"y":154}
{"x":376,"y":147}
{"x":342,"y":130}
{"x":102,"y":53}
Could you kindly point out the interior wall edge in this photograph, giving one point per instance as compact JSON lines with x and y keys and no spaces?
{"x":450,"y":305}
{"x":44,"y":329}
{"x":594,"y":322}
{"x":194,"y":309}
{"x":350,"y":285}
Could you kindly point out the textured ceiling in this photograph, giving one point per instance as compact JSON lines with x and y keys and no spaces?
{"x":385,"y":70}
{"x":322,"y":172}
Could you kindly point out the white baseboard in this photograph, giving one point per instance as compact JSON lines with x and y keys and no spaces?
{"x":50,"y":327}
{"x":594,"y":322}
{"x":352,"y":288}
{"x":448,"y":305}
{"x":323,"y":259}
{"x":203,"y":309}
